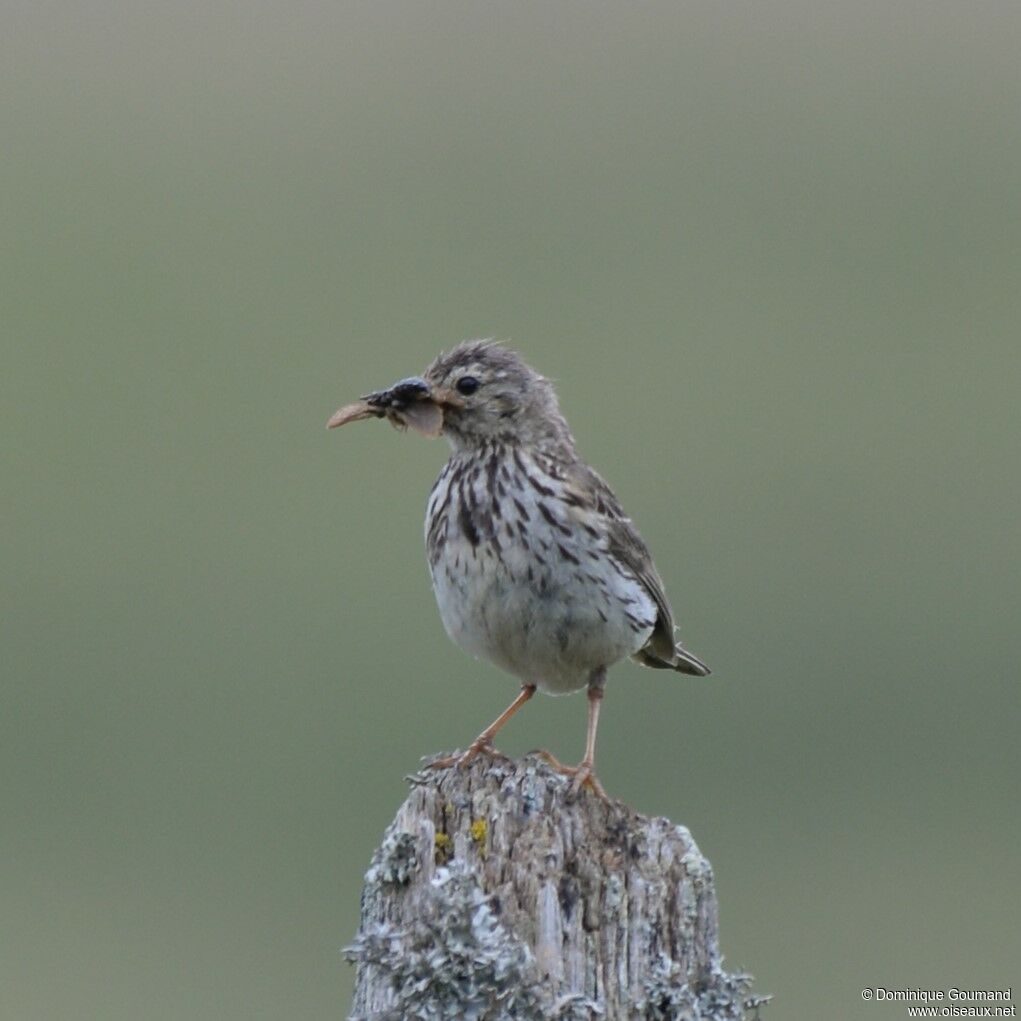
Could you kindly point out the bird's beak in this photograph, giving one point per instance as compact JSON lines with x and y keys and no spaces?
{"x":411,"y":402}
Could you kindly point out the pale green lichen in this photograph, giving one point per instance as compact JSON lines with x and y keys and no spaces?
{"x":724,"y":997}
{"x":456,"y":960}
{"x":396,"y":861}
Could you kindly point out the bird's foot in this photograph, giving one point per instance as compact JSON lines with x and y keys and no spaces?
{"x":475,"y":749}
{"x":583,"y":773}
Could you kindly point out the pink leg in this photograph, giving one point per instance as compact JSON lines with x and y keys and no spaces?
{"x":481,"y":743}
{"x":584,"y":773}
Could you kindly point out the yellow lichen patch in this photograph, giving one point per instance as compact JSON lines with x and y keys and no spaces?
{"x":444,"y":848}
{"x":478,"y":830}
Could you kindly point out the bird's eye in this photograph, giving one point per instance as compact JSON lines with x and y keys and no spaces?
{"x":467,"y":385}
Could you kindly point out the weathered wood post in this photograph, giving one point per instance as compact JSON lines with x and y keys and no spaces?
{"x":497,"y":895}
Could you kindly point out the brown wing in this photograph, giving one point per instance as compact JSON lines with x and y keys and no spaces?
{"x":628,"y":548}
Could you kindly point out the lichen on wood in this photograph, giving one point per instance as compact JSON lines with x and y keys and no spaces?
{"x":496,"y":895}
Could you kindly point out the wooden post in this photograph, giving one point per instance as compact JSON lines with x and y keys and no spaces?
{"x":496,"y":895}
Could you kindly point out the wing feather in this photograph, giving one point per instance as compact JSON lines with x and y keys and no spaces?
{"x":628,"y":549}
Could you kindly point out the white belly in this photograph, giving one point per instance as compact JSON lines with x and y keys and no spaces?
{"x":546,"y":606}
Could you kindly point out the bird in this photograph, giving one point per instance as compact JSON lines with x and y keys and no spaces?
{"x":534,"y":564}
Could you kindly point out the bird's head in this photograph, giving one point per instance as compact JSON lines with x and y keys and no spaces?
{"x":476,"y":393}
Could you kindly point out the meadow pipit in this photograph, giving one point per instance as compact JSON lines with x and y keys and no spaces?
{"x":535,"y":566}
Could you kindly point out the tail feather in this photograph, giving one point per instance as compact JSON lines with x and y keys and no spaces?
{"x":688,"y":663}
{"x":684,"y":662}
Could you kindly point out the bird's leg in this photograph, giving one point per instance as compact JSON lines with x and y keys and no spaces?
{"x":584,"y":773}
{"x":481,"y":743}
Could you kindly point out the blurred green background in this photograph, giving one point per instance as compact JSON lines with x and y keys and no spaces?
{"x":771,"y":254}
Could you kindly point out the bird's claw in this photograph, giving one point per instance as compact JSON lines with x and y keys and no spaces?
{"x":475,"y":749}
{"x":582,"y":774}
{"x":584,"y":777}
